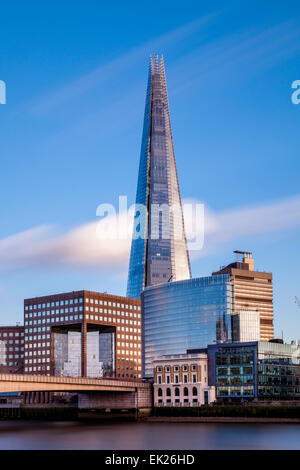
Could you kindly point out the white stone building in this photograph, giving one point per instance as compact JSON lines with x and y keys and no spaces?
{"x":182,"y":380}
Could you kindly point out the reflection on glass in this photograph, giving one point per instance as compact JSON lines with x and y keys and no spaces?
{"x":185,"y":315}
{"x":100,"y":354}
{"x":67,"y":353}
{"x":165,"y":257}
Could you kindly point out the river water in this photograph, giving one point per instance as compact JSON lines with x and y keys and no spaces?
{"x":154,"y":436}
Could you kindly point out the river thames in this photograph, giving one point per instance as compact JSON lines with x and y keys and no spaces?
{"x":146,"y":436}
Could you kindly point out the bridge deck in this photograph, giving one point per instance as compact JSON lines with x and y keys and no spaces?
{"x":24,"y":383}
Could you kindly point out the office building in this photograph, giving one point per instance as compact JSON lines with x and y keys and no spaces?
{"x":263,"y":371}
{"x":182,"y":380}
{"x":252,"y":290}
{"x":185,"y":314}
{"x":83,"y":333}
{"x":159,"y":250}
{"x":11,"y":349}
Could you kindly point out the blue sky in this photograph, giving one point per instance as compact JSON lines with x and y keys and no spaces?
{"x":70,"y":134}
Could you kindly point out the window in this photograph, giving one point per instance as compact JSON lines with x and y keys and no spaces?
{"x":159,"y":392}
{"x":195,"y":391}
{"x":168,"y":392}
{"x":186,"y":392}
{"x":177,"y":392}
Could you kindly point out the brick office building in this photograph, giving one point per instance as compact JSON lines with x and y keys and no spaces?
{"x":83,"y":333}
{"x":252,"y":290}
{"x":11,"y":349}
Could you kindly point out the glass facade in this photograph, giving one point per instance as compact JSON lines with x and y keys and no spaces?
{"x":2,"y":353}
{"x":245,"y":326}
{"x":100,"y":354}
{"x":260,"y":370}
{"x":185,"y":315}
{"x":235,"y":371}
{"x":156,"y":254}
{"x":67,"y":353}
{"x":278,"y":371}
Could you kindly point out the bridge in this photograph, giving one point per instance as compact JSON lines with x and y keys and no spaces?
{"x":92,"y":393}
{"x":34,"y":383}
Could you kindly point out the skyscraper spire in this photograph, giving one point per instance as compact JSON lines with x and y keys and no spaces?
{"x":159,"y":250}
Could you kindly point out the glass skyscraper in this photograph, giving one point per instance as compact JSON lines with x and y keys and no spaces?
{"x":185,"y":315}
{"x":159,"y":251}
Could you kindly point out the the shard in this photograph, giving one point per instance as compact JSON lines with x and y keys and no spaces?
{"x":159,"y":250}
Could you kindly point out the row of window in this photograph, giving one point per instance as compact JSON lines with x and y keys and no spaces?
{"x":230,"y":391}
{"x":113,"y":320}
{"x":37,"y":345}
{"x":70,"y":310}
{"x":36,"y":361}
{"x":3,"y":357}
{"x":11,"y":341}
{"x":34,"y":369}
{"x":128,"y":329}
{"x":11,"y":334}
{"x":53,"y":312}
{"x":177,"y":367}
{"x":126,"y":345}
{"x":43,"y":352}
{"x":135,"y":338}
{"x":177,"y":392}
{"x":35,"y":330}
{"x":58,"y":303}
{"x":36,"y":337}
{"x":125,"y":352}
{"x":113,"y":304}
{"x":234,"y":370}
{"x":129,"y":368}
{"x":113,"y":312}
{"x":10,"y":349}
{"x":133,"y":376}
{"x":50,"y":320}
{"x":53,"y":304}
{"x":176,"y":379}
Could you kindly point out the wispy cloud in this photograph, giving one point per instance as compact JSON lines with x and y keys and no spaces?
{"x":43,"y":247}
{"x":233,"y":224}
{"x":115,"y":67}
{"x":242,"y":53}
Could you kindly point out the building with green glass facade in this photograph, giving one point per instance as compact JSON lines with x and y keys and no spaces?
{"x":255,"y":371}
